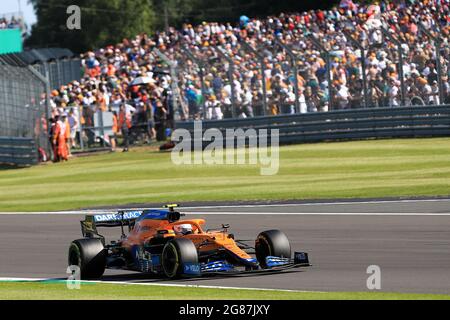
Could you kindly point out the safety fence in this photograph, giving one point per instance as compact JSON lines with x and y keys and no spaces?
{"x":60,"y":66}
{"x":22,"y":105}
{"x":96,"y":128}
{"x":60,"y":71}
{"x":26,"y":80}
{"x":402,"y":122}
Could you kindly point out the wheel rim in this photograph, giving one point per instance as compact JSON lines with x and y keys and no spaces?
{"x":263,"y":250}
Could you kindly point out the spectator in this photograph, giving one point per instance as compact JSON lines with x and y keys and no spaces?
{"x":115,"y":131}
{"x":160,"y":121}
{"x":125,"y":125}
{"x":59,"y":144}
{"x":13,"y":23}
{"x":213,"y":110}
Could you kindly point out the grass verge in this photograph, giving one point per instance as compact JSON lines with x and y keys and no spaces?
{"x":96,"y":291}
{"x":358,"y":169}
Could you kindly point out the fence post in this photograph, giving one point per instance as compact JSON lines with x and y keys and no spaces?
{"x":201,"y":75}
{"x":400,"y":69}
{"x":102,"y":126}
{"x":249,"y":48}
{"x":295,"y":70}
{"x":231,"y":79}
{"x":321,"y":48}
{"x":363,"y":64}
{"x":46,"y":81}
{"x":58,"y":72}
{"x":80,"y":126}
{"x":437,"y":43}
{"x":173,"y":74}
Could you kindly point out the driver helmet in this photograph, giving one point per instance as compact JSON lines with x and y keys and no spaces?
{"x":183,"y":229}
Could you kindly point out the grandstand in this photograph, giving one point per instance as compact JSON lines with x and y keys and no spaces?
{"x":14,"y":22}
{"x":291,"y":63}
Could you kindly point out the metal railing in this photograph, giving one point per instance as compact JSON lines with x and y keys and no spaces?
{"x":401,"y":122}
{"x":18,"y":151}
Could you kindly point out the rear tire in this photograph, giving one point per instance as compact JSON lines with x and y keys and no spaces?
{"x":271,"y":243}
{"x":175,"y":254}
{"x":90,"y":256}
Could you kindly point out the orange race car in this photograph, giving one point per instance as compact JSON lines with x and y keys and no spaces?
{"x":159,"y":242}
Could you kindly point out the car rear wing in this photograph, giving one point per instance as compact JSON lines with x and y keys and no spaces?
{"x":125,"y":218}
{"x":120,"y":219}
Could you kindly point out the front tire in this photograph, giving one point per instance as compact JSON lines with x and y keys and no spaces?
{"x":175,"y":254}
{"x":271,"y":243}
{"x":90,"y":256}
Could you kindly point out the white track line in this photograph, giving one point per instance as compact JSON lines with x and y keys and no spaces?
{"x":84,"y":211}
{"x":319,"y":203}
{"x":99,"y":211}
{"x":11,"y":279}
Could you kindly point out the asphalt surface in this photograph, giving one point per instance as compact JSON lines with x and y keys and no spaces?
{"x":408,"y":240}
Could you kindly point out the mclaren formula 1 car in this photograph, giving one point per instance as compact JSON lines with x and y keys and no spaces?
{"x":160,"y":242}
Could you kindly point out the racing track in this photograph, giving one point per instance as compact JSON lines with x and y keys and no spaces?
{"x":409,"y":240}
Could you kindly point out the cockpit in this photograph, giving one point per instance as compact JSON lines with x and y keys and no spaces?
{"x":183,"y":229}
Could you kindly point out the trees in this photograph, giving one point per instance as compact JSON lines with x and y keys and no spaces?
{"x":109,"y":21}
{"x":102,"y":22}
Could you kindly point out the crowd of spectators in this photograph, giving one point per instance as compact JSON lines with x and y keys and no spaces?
{"x":260,"y":66}
{"x":400,"y":18}
{"x":13,"y":23}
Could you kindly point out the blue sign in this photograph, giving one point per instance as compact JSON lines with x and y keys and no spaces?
{"x":192,"y":268}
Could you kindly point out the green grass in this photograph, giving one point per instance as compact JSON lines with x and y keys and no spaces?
{"x":381,"y":168}
{"x":59,"y":291}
